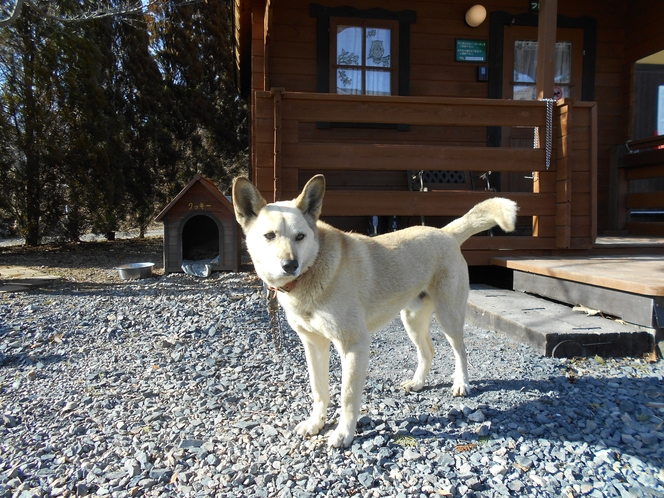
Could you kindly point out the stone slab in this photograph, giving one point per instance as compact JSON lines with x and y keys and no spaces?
{"x":554,"y":329}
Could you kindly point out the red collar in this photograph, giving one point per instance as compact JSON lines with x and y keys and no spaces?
{"x":286,"y":287}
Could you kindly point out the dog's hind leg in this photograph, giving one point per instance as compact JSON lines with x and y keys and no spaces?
{"x":317,"y":352}
{"x":451,"y":321}
{"x":354,"y":362}
{"x":417,"y":323}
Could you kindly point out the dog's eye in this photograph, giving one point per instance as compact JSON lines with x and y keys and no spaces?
{"x":300,"y":236}
{"x":270,"y":235}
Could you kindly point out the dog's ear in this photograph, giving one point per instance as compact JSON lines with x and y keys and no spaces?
{"x":310,"y":201}
{"x":247,"y":201}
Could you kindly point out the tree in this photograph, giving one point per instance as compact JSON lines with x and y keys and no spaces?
{"x":104,"y":120}
{"x":193,"y":46}
{"x":29,"y":62}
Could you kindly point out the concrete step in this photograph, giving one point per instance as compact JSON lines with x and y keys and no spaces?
{"x":554,"y":329}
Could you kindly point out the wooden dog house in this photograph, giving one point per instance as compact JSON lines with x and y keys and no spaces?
{"x":199,"y":224}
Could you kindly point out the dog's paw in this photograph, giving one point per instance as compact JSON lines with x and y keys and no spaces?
{"x":460,"y":388}
{"x":310,"y":427}
{"x":340,"y":438}
{"x":412,"y":385}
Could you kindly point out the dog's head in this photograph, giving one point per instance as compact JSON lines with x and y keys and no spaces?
{"x":281,"y":237}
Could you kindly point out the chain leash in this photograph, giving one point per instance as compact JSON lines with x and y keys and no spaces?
{"x":276,"y":330}
{"x":548,"y":133}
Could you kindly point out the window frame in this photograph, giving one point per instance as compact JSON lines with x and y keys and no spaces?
{"x":323,"y":16}
{"x":393,"y":26}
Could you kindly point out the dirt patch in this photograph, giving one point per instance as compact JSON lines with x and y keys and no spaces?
{"x":86,"y":262}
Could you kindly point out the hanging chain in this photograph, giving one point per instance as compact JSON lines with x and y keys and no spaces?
{"x":275,"y":322}
{"x":548,"y":132}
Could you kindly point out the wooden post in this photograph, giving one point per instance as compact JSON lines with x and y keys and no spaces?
{"x":267,"y":24}
{"x":563,"y":117}
{"x":276,"y":160}
{"x":593,"y":173}
{"x":258,"y":48}
{"x":546,"y":48}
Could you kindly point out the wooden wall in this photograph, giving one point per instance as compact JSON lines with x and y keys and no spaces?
{"x":626,"y":31}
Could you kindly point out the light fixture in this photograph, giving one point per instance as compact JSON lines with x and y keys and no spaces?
{"x":475,"y":15}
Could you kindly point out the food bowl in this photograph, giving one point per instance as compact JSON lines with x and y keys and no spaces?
{"x":133,"y":271}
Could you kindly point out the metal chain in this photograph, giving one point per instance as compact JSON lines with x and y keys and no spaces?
{"x":548,"y":132}
{"x":275,"y":322}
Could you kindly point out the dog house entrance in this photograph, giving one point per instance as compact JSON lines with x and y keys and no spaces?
{"x":200,"y":239}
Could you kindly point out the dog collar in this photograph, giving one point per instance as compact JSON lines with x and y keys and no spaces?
{"x":286,"y":287}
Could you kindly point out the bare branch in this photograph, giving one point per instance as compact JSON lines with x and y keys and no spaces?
{"x":127,"y":9}
{"x":13,"y":14}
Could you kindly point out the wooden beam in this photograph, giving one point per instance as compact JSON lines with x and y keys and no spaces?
{"x":434,"y":203}
{"x":382,"y":157}
{"x":436,"y":111}
{"x":563,"y":114}
{"x":645,"y":200}
{"x":277,"y":155}
{"x":645,"y":158}
{"x":546,"y":48}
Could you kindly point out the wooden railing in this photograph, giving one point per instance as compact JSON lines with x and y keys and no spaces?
{"x":563,"y":214}
{"x":642,"y":187}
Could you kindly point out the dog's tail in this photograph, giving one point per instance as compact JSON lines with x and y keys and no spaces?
{"x":495,"y":211}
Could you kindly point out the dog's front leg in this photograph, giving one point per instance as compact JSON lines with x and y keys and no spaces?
{"x":317,"y":352}
{"x":354,"y":362}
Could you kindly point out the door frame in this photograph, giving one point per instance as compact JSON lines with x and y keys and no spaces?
{"x":500,"y":19}
{"x":563,"y":34}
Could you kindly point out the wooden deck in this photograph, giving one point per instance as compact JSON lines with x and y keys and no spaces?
{"x":629,"y":287}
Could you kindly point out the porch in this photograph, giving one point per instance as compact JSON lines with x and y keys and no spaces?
{"x":294,"y":137}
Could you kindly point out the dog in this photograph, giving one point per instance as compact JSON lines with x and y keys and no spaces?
{"x":338,"y":287}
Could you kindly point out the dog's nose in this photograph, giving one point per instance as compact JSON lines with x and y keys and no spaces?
{"x":289,"y":265}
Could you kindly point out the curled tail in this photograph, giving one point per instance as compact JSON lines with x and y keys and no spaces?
{"x":495,"y":211}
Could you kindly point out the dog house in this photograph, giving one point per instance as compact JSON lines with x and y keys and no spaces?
{"x":200,"y":226}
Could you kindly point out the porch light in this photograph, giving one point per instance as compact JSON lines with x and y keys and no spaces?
{"x":475,"y":15}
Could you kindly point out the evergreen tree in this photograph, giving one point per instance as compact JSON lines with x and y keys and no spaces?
{"x":29,"y":60}
{"x":104,"y":120}
{"x":208,"y":119}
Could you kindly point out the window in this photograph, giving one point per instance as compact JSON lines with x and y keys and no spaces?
{"x":525,"y":70}
{"x":362,"y":51}
{"x":364,"y":57}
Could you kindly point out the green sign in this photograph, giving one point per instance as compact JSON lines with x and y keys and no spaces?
{"x":470,"y":51}
{"x":534,"y":6}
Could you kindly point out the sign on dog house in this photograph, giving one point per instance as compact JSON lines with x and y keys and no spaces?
{"x":200,"y":227}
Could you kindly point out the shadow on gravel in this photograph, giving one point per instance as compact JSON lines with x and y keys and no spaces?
{"x":617,"y":413}
{"x":27,"y":360}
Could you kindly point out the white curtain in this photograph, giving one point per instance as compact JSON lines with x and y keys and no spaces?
{"x":525,"y":69}
{"x":372,"y":57}
{"x":349,"y":53}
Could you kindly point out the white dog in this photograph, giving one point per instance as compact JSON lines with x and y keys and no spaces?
{"x":339,"y":287}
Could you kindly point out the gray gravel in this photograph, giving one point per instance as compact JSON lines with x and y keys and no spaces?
{"x":173,"y":387}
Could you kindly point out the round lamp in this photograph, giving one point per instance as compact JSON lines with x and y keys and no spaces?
{"x":475,"y":15}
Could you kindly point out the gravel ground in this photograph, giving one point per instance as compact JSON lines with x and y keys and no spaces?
{"x":172,"y":386}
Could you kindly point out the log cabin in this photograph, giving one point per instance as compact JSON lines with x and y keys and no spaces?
{"x":417,"y":110}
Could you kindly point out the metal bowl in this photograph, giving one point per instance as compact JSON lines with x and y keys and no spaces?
{"x":133,"y":271}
